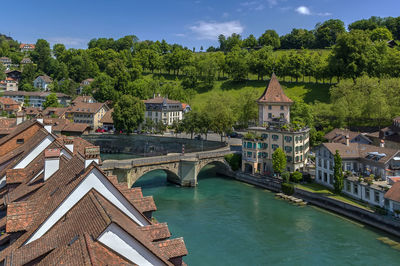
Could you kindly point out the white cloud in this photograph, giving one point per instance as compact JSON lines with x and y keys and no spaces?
{"x":68,"y":41}
{"x":303,"y":10}
{"x":180,"y":34}
{"x":324,"y":14}
{"x":211,"y":30}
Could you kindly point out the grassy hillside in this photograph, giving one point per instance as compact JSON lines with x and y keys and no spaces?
{"x":309,"y":92}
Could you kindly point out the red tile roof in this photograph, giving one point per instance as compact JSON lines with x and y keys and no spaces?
{"x":5,"y":100}
{"x":274,"y":93}
{"x":107,"y":118}
{"x":394,"y":192}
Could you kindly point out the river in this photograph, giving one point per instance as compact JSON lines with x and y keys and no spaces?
{"x":226,"y":222}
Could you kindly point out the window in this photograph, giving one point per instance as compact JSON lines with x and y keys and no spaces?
{"x":259,"y":155}
{"x":269,"y":107}
{"x":319,"y":175}
{"x":288,"y":148}
{"x":376,"y":196}
{"x":275,"y":137}
{"x":265,"y":145}
{"x":289,"y":159}
{"x":249,"y":154}
{"x":20,"y":141}
{"x":355,"y":188}
{"x":319,"y":162}
{"x":348,"y":186}
{"x":254,"y":145}
{"x":274,"y":146}
{"x":282,"y":108}
{"x":259,"y":145}
{"x":288,"y":138}
{"x":269,"y":115}
{"x":367,"y":196}
{"x":264,"y":136}
{"x":331,"y":179}
{"x":265,"y":154}
{"x":297,"y":158}
{"x":249,"y":145}
{"x":325,"y":177}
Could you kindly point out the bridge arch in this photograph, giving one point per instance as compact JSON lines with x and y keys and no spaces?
{"x":136,"y":173}
{"x":222,"y":165}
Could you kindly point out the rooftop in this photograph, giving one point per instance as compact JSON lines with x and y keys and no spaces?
{"x":274,"y":93}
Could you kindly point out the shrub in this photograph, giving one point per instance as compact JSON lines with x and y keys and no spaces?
{"x":288,"y":188}
{"x":286,"y":177}
{"x":296,"y":176}
{"x":234,"y":160}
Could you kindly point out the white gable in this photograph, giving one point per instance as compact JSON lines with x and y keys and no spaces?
{"x":94,"y":180}
{"x":124,"y":244}
{"x":35,"y":152}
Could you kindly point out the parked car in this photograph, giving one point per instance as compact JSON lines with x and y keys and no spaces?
{"x":100,"y":130}
{"x":198,"y":137}
{"x":235,"y":135}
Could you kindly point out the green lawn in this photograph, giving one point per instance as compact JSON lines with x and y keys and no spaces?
{"x":308,"y":92}
{"x":317,"y":188}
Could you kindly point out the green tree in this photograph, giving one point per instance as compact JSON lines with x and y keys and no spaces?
{"x":338,"y":173}
{"x":246,"y":107}
{"x":190,"y":123}
{"x":42,"y":54}
{"x":279,"y":161}
{"x":381,"y":34}
{"x":270,"y":38}
{"x":237,"y":62}
{"x":326,"y":33}
{"x":250,"y":42}
{"x":128,"y":113}
{"x":296,"y":176}
{"x":51,"y":101}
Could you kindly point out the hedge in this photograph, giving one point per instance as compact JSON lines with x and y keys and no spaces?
{"x":288,"y":188}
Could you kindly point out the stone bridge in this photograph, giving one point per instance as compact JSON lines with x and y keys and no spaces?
{"x":181,"y":169}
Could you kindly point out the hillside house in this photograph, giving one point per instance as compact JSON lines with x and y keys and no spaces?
{"x":42,"y":82}
{"x":163,"y":109}
{"x":26,"y":47}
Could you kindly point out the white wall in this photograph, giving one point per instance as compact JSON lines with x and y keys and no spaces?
{"x":100,"y":183}
{"x":35,"y":152}
{"x":124,"y":244}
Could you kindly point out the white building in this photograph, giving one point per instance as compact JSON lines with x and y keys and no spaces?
{"x":163,"y":109}
{"x":42,"y":82}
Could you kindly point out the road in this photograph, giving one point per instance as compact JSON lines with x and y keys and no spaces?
{"x":210,"y":136}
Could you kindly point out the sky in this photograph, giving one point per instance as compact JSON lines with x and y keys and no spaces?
{"x":191,"y":23}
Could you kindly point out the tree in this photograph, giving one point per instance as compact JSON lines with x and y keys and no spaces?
{"x":190,"y":123}
{"x":338,"y":173}
{"x":381,"y":34}
{"x":42,"y":54}
{"x":250,"y":42}
{"x":128,"y":113}
{"x":237,"y":62}
{"x":270,"y":38}
{"x":51,"y":101}
{"x":327,"y":32}
{"x":297,"y":39}
{"x":279,"y":161}
{"x":246,"y":108}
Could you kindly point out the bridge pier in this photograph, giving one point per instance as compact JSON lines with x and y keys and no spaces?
{"x":188,"y":171}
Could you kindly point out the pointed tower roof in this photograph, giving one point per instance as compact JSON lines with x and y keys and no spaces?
{"x":274,"y":93}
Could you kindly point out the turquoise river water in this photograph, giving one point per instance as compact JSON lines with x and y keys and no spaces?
{"x":226,"y":222}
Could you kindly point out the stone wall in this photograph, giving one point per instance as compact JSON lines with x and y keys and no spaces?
{"x":146,"y":146}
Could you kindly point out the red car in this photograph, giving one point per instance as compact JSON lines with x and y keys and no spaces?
{"x":100,"y":130}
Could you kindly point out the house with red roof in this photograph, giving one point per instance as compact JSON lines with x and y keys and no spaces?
{"x":26,"y":47}
{"x":9,"y":106}
{"x":163,"y":109}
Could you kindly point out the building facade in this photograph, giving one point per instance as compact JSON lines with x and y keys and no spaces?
{"x":87,"y":113}
{"x":164,"y":110}
{"x":274,"y":131}
{"x":35,"y":98}
{"x":42,"y":82}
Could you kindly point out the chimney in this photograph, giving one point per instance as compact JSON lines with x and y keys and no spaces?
{"x":92,"y":154}
{"x":382,"y":144}
{"x":20,"y":117}
{"x":347,"y":140}
{"x":69,"y":143}
{"x":51,"y":162}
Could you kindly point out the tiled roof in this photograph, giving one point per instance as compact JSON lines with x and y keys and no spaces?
{"x":7,"y":123}
{"x":20,"y":215}
{"x":5,"y":100}
{"x":339,"y":135}
{"x":394,"y":192}
{"x":172,"y":248}
{"x":29,"y":45}
{"x":84,"y":99}
{"x":46,"y":78}
{"x":58,"y":111}
{"x":82,"y":107}
{"x":160,"y":100}
{"x":356,"y":150}
{"x":107,"y":118}
{"x":61,"y":125}
{"x":274,"y":93}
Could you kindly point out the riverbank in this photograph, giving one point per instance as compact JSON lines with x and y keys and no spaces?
{"x":356,"y":213}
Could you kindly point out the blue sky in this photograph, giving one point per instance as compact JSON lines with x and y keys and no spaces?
{"x":191,"y":23}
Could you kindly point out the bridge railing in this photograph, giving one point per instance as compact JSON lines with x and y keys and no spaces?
{"x":115,"y":164}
